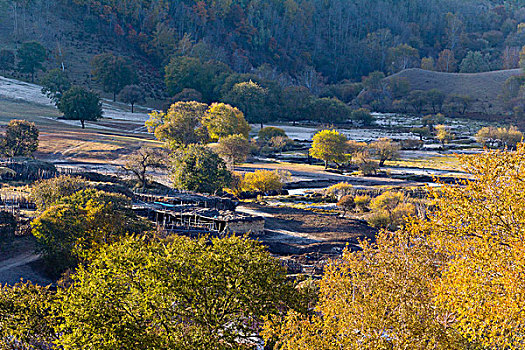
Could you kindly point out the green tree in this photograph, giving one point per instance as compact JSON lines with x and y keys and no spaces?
{"x":251,"y":99}
{"x":181,"y":125}
{"x":295,"y":103}
{"x":200,"y":294}
{"x":269,"y":132}
{"x":21,"y":138}
{"x":197,"y":168}
{"x":474,"y":62}
{"x":113,"y":72}
{"x":191,"y":73}
{"x":68,"y":231}
{"x":363,"y":116}
{"x":54,"y":84}
{"x":78,"y":103}
{"x":31,"y":56}
{"x":329,"y":146}
{"x":45,"y":193}
{"x":418,"y":99}
{"x":402,"y":57}
{"x":132,"y":94}
{"x":330,"y":110}
{"x":223,"y":120}
{"x":436,"y":98}
{"x":7,"y":60}
{"x":234,"y":149}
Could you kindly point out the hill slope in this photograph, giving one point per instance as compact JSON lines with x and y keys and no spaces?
{"x":483,"y":87}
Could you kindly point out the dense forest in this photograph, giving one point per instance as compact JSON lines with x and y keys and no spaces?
{"x":305,"y":41}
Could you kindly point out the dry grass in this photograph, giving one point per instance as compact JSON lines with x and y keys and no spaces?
{"x":483,"y":87}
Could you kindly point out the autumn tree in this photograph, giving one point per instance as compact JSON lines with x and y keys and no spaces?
{"x":446,"y":61}
{"x":346,"y":203}
{"x":266,"y":134}
{"x":25,"y":316}
{"x":181,"y":125}
{"x":427,"y":63}
{"x":234,"y":149}
{"x":183,"y":293}
{"x":54,"y":84}
{"x":223,"y":120}
{"x":45,"y":193}
{"x":113,"y":72}
{"x":132,"y":94}
{"x":443,"y":134}
{"x":68,"y":230}
{"x":379,"y":298}
{"x":20,"y":139}
{"x":251,"y":99}
{"x":31,"y":57}
{"x":479,"y":225}
{"x":139,"y":162}
{"x":78,"y":103}
{"x":264,"y":181}
{"x":329,"y":146}
{"x":385,"y":150}
{"x":197,"y":168}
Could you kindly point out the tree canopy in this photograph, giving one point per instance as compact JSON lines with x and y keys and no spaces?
{"x":78,"y":103}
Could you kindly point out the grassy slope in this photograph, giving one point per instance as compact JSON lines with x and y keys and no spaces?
{"x":483,"y":87}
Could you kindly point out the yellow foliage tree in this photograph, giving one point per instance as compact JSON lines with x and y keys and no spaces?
{"x":480,"y":225}
{"x":380,"y":298}
{"x":264,"y":181}
{"x":329,"y":146}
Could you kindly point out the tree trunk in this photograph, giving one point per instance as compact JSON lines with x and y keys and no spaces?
{"x":82,"y":122}
{"x":132,"y":107}
{"x":114,"y":96}
{"x":262,"y":126}
{"x":326,"y":164}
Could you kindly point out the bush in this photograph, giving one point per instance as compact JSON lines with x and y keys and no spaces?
{"x":264,"y":181}
{"x":389,"y":210}
{"x":269,"y":132}
{"x":346,"y":203}
{"x":45,"y":193}
{"x":362,"y":202}
{"x":339,"y":190}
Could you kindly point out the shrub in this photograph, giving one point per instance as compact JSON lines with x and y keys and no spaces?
{"x":362,"y":202}
{"x":45,"y":193}
{"x":389,"y":210}
{"x":363,"y":116}
{"x":264,"y":181}
{"x":267,"y":133}
{"x":346,"y":203}
{"x":339,"y":190}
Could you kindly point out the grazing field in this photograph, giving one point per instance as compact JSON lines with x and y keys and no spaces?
{"x":484,"y":87}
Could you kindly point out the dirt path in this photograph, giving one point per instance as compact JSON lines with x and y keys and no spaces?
{"x":20,"y":266}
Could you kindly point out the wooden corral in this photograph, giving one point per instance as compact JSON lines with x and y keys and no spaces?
{"x":187,"y":198}
{"x":196,"y":220}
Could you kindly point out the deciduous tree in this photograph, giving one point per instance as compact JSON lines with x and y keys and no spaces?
{"x":113,"y":72}
{"x":132,"y":94}
{"x":223,"y":120}
{"x":31,"y":56}
{"x":78,"y":103}
{"x":197,"y":168}
{"x":329,"y":146}
{"x":21,"y":138}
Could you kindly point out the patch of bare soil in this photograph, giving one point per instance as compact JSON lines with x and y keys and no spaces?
{"x":298,"y":231}
{"x":18,"y":261}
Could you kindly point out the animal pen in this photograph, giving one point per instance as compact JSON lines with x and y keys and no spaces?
{"x":196,"y":214}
